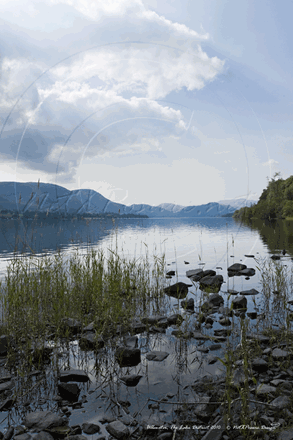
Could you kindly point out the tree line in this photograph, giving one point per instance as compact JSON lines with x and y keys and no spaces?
{"x":275,"y":202}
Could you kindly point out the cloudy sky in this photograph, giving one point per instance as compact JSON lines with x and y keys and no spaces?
{"x":147,"y":101}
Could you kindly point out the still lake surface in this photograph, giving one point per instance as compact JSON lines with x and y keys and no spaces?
{"x":213,"y":241}
{"x":208,"y":243}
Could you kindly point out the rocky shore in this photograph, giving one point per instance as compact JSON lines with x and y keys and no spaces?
{"x":251,"y":399}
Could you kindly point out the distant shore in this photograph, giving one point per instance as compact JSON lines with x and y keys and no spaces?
{"x":30,"y":215}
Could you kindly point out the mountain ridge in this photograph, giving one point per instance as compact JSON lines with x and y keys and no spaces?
{"x":48,"y":197}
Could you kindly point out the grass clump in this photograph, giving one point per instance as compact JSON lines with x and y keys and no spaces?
{"x":40,"y":294}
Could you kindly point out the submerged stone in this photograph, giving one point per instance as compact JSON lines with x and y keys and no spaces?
{"x":73,"y":376}
{"x":118,"y":430}
{"x":157,"y":356}
{"x":41,"y":420}
{"x":195,"y":274}
{"x":131,"y":380}
{"x":249,"y":292}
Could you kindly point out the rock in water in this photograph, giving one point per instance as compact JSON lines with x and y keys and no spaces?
{"x":131,"y":380}
{"x":211,"y":283}
{"x":127,"y":357}
{"x":177,"y":290}
{"x":69,"y":391}
{"x":118,"y":430}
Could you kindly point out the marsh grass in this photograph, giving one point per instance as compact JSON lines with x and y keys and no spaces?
{"x":39,"y":293}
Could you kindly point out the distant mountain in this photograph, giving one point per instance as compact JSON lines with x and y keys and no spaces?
{"x":51,"y":198}
{"x":238,"y":203}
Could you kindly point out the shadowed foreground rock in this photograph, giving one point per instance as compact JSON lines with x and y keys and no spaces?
{"x":41,"y":420}
{"x":127,"y":357}
{"x":118,"y":430}
{"x":69,"y":391}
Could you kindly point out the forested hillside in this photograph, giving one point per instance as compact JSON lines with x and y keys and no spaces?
{"x":276,"y":201}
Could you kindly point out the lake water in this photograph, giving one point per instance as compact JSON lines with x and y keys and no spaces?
{"x":209,"y":240}
{"x":209,"y":243}
{"x":217,"y":242}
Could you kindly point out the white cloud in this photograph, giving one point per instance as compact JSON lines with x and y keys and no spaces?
{"x":270,"y":162}
{"x":97,"y":10}
{"x":104,"y":101}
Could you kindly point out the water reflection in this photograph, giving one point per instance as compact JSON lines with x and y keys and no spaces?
{"x":276,"y":235}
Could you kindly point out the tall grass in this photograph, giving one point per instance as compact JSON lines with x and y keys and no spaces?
{"x":38,"y":293}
